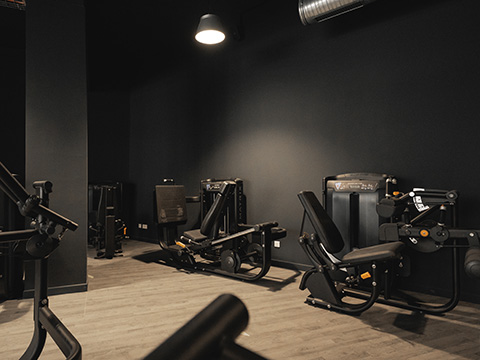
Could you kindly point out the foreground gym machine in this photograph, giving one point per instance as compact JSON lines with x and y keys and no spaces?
{"x":221,"y":245}
{"x":355,"y":275}
{"x":329,"y":278}
{"x":39,"y":243}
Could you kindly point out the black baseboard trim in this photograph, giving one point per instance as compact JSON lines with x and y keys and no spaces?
{"x":145,"y":239}
{"x":57,"y":290}
{"x":291,"y":265}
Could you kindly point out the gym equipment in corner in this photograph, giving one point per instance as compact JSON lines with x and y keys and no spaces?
{"x":106,"y":228}
{"x":210,"y":334}
{"x":330,"y":276}
{"x":221,"y":245}
{"x":39,"y":242}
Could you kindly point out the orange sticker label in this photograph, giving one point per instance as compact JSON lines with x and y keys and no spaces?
{"x":365,"y":275}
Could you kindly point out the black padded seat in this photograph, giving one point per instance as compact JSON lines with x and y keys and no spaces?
{"x":381,"y":252}
{"x":194,"y":235}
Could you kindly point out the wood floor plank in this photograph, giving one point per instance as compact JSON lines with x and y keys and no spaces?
{"x":132,"y":306}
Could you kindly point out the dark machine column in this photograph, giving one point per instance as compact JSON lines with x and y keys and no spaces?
{"x":56,"y":126}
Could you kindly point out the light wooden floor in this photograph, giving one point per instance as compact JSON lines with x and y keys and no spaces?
{"x":133,"y":305}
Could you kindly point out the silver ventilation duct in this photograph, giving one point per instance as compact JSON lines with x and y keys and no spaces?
{"x":14,"y":4}
{"x":314,"y":11}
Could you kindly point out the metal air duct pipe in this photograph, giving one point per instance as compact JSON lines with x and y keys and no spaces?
{"x":314,"y":11}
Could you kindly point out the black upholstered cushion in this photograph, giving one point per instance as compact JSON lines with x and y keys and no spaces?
{"x":194,"y":235}
{"x":380,"y":252}
{"x":323,"y":225}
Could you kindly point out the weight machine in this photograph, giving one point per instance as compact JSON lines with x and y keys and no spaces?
{"x":107,"y":229}
{"x":40,"y":242}
{"x":370,"y":272}
{"x":221,"y":245}
{"x":330,"y":277}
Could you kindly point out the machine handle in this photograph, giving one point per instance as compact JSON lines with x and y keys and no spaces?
{"x":208,"y":333}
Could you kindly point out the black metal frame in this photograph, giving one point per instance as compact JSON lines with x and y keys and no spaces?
{"x":329,"y":277}
{"x":262,"y":231}
{"x":108,"y":229}
{"x":428,"y":238}
{"x":320,"y":283}
{"x":216,"y":245}
{"x":41,"y":241}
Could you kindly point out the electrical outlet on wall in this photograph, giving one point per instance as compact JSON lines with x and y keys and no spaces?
{"x":276,"y":243}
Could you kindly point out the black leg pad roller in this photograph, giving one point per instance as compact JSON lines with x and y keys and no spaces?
{"x":472,"y":263}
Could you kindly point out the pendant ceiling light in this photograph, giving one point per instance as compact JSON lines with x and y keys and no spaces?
{"x":314,"y":11}
{"x":210,"y":30}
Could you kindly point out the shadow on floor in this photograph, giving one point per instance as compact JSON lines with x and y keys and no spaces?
{"x":442,"y":332}
{"x":163,"y":258}
{"x":14,"y":309}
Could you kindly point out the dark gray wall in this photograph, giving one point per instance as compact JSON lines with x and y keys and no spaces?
{"x":108,"y":135}
{"x":165,"y":142}
{"x":56,"y":125}
{"x":12,"y":90}
{"x":391,"y":88}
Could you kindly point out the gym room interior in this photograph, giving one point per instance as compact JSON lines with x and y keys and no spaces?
{"x":96,"y":93}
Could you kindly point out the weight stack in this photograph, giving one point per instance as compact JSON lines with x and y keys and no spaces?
{"x":350,"y":200}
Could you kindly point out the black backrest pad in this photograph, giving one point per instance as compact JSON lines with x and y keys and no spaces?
{"x":323,"y":225}
{"x":217,"y":207}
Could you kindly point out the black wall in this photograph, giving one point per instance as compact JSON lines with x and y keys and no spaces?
{"x":56,"y":125}
{"x":108,"y":140}
{"x":12,"y":90}
{"x":390,"y":88}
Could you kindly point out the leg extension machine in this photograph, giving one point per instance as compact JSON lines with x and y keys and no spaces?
{"x":330,"y":276}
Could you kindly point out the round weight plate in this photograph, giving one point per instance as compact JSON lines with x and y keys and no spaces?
{"x":230,"y":261}
{"x":39,"y":246}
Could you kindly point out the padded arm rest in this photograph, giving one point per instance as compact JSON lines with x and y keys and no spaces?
{"x":388,"y":232}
